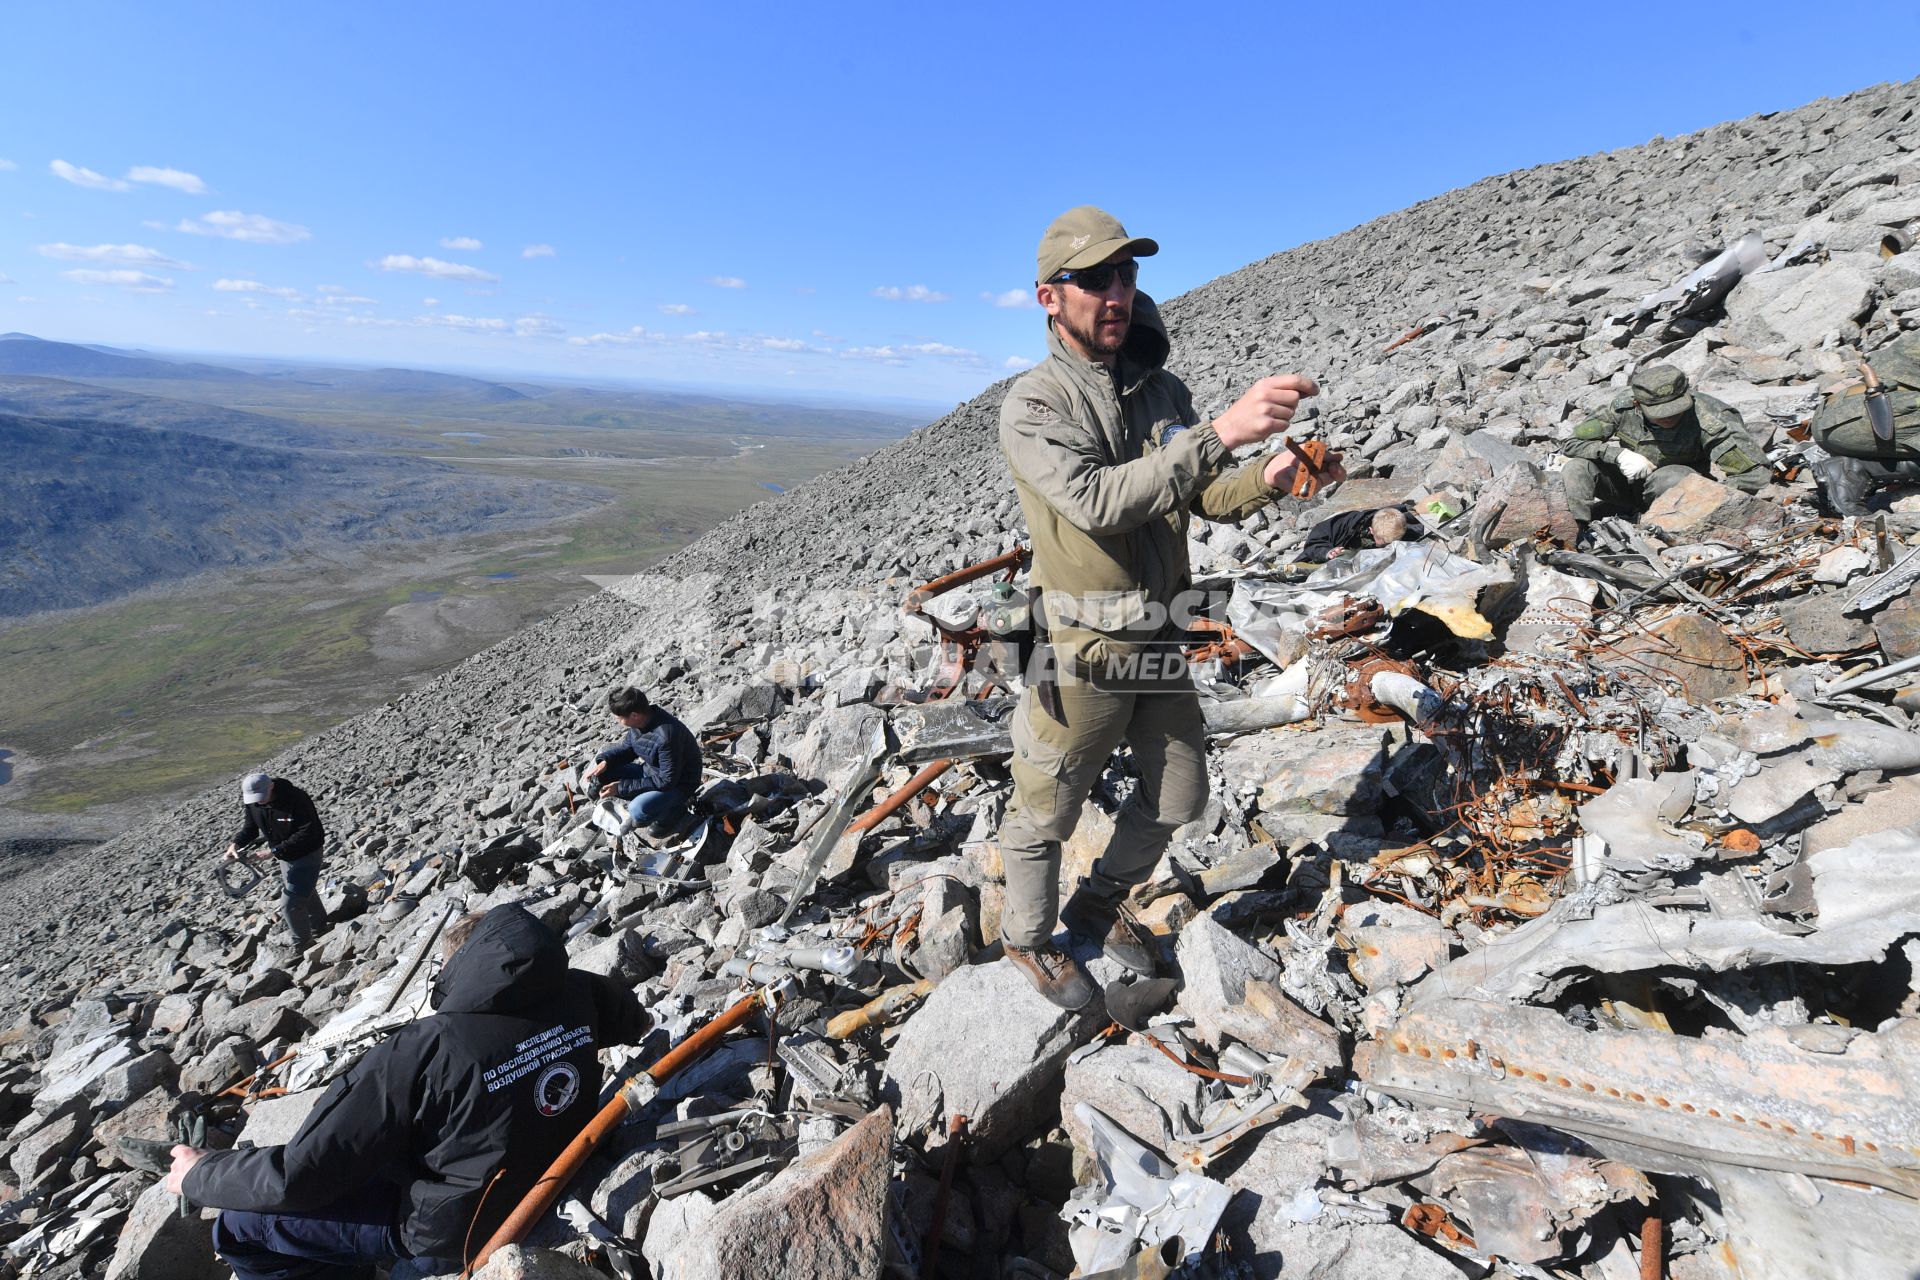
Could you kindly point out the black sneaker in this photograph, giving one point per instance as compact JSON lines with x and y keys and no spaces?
{"x":1053,"y":973}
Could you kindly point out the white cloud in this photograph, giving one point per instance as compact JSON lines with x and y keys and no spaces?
{"x":942,"y":350}
{"x":231,"y":224}
{"x":783,"y":344}
{"x":331,"y":288}
{"x":726,"y":282}
{"x":131,"y":281}
{"x":429,"y":302}
{"x":537,"y":251}
{"x":675,"y":309}
{"x":348,"y":300}
{"x":466,"y":244}
{"x":537,"y":327}
{"x":7,"y":166}
{"x":87,"y":178}
{"x":178,"y":179}
{"x":125,"y":255}
{"x":433,"y":267}
{"x":885,"y":355}
{"x":1016,"y":363}
{"x":1012,"y":299}
{"x":476,"y":324}
{"x":912,"y":293}
{"x":631,"y":337}
{"x":254,"y":286}
{"x":6,"y":279}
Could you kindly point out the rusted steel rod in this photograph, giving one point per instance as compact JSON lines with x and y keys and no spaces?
{"x":918,"y":597}
{"x":937,"y":1220}
{"x":892,"y":804}
{"x":1652,"y":1250}
{"x":625,"y":1102}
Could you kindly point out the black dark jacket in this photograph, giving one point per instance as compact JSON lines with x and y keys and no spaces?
{"x":667,"y":752}
{"x":286,"y":820}
{"x":500,"y":1080}
{"x":1351,"y":530}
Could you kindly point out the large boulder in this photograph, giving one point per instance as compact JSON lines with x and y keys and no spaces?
{"x":823,"y":1217}
{"x":158,"y":1244}
{"x":987,"y":1046}
{"x":1798,"y":308}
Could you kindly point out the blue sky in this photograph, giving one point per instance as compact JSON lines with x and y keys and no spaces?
{"x":834,"y":198}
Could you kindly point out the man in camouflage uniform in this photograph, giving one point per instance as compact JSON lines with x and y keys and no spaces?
{"x":1110,"y":461}
{"x":1654,"y":434}
{"x":1862,"y":461}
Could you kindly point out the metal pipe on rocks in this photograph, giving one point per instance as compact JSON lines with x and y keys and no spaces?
{"x":625,"y":1102}
{"x":1874,"y":676}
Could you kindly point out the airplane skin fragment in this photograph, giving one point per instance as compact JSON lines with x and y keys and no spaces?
{"x":1675,"y":1104}
{"x":1867,"y":895}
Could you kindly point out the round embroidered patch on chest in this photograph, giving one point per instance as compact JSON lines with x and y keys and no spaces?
{"x":556,"y":1088}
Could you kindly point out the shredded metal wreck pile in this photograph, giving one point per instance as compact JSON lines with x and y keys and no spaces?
{"x":1555,"y":912}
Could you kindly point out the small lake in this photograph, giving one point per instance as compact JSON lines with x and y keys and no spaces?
{"x":466,"y":435}
{"x":423,"y":597}
{"x":6,"y":767}
{"x":777,"y":488}
{"x":502,"y":576}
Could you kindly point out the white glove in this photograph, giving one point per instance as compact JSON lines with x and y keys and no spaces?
{"x":1634,"y":466}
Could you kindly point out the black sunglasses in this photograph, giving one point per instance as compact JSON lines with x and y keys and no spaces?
{"x":1100,"y":279}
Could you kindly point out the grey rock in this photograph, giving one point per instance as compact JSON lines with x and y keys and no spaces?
{"x":274,"y":1121}
{"x":158,"y":1244}
{"x":985,"y":1045}
{"x":823,"y":1217}
{"x":517,"y":1262}
{"x":1215,"y":966}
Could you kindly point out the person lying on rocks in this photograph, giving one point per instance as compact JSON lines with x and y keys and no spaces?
{"x":1355,"y":530}
{"x":1110,"y":461}
{"x":1655,"y":433}
{"x":1867,"y":455}
{"x":425,"y":1145}
{"x":655,"y":768}
{"x":283,"y":817}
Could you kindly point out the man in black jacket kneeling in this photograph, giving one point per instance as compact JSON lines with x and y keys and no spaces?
{"x":425,"y":1146}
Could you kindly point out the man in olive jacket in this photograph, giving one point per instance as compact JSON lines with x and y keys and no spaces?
{"x":1110,"y":460}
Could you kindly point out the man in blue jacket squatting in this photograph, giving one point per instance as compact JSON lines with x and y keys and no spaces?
{"x":425,"y":1145}
{"x":655,"y":768}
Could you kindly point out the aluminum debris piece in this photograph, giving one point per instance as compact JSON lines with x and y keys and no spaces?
{"x":1140,"y":1201}
{"x":1676,"y":1104}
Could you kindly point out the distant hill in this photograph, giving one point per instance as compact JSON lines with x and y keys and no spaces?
{"x":92,"y":509}
{"x":24,"y":353}
{"x":60,"y":399}
{"x":414,"y":382}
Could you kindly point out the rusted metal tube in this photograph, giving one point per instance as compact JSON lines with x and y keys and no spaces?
{"x":561,"y":1171}
{"x":937,"y":1220}
{"x":918,"y":597}
{"x":1652,"y":1250}
{"x":892,"y":804}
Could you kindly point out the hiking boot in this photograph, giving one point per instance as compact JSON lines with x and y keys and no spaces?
{"x":1053,"y":973}
{"x":1845,"y":484}
{"x":1099,"y":914}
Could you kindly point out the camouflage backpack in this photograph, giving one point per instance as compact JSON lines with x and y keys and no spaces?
{"x":1841,"y":426}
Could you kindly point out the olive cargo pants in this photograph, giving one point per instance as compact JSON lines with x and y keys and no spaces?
{"x":1054,"y":768}
{"x":1588,"y":482}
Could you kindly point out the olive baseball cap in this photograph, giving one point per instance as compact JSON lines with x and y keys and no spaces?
{"x":1661,"y":391}
{"x":1084,"y":236}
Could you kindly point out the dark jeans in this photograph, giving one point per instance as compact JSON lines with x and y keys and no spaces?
{"x":299,"y":902}
{"x":662,"y":810}
{"x":345,"y":1238}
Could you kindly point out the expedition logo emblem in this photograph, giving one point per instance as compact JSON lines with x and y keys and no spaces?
{"x":556,"y":1088}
